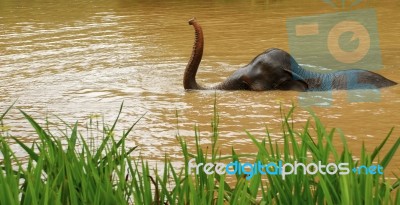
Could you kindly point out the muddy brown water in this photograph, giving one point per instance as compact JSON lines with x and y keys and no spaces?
{"x":76,"y":59}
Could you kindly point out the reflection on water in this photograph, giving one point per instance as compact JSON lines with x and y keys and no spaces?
{"x":76,"y":59}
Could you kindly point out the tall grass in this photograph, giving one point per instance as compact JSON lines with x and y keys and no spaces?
{"x":65,"y":169}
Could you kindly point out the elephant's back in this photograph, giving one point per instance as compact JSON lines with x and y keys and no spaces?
{"x":363,"y":79}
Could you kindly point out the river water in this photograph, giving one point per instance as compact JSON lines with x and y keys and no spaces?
{"x":79,"y":59}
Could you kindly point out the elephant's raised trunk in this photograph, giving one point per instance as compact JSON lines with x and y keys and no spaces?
{"x":189,"y":78}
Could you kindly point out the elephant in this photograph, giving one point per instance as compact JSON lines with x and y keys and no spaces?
{"x":276,"y":69}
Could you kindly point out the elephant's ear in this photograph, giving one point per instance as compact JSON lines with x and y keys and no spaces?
{"x":295,"y":83}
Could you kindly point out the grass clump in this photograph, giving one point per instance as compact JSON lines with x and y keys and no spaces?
{"x":59,"y":173}
{"x":67,"y":170}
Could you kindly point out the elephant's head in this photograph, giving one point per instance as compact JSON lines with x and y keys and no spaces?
{"x":266,"y":72}
{"x":271,"y":70}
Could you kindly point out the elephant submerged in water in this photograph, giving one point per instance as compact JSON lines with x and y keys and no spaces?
{"x":276,"y":69}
